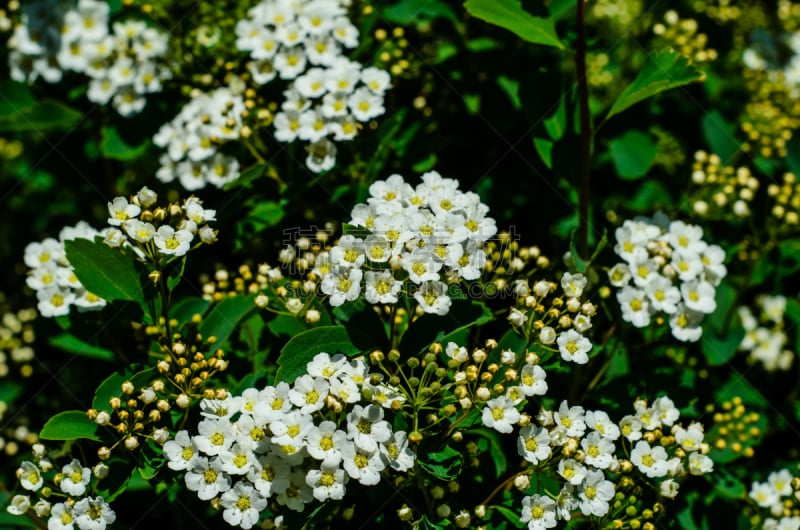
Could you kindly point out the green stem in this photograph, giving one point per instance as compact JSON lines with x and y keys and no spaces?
{"x":586,"y":135}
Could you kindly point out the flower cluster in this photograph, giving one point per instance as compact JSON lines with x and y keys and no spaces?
{"x":721,"y":187}
{"x":765,"y":338}
{"x":555,"y":320}
{"x":778,"y":495}
{"x":787,"y":200}
{"x":280,"y":443}
{"x":682,"y":35}
{"x":52,"y":276}
{"x":73,"y":483}
{"x":135,"y":414}
{"x":329,"y":95}
{"x":425,"y":235}
{"x":667,"y":268}
{"x":581,"y":446}
{"x":193,"y":138}
{"x":123,"y":64}
{"x":16,"y":343}
{"x":157,"y":232}
{"x":734,"y":431}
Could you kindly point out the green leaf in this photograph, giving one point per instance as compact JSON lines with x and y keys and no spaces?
{"x":666,"y":70}
{"x":545,"y":149}
{"x":632,"y":153}
{"x":266,"y":214}
{"x":225,"y":316}
{"x":482,"y":44}
{"x":186,"y":308}
{"x":70,"y":425}
{"x":496,"y":450}
{"x":113,"y":146}
{"x":511,"y":89}
{"x":43,"y":115}
{"x":727,"y":485}
{"x":302,"y":348}
{"x":287,"y":325}
{"x":72,"y":344}
{"x":510,"y":515}
{"x":118,"y":479}
{"x":737,"y":385}
{"x":722,"y":330}
{"x":247,"y":176}
{"x":405,"y":12}
{"x":16,"y":97}
{"x":109,"y":273}
{"x":444,"y":464}
{"x":175,"y":273}
{"x":510,"y":15}
{"x":429,"y":328}
{"x":152,"y":460}
{"x":721,"y":136}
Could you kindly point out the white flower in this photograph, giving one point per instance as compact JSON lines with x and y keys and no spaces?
{"x":539,"y":511}
{"x":652,"y":461}
{"x":62,"y":517}
{"x":635,"y":306}
{"x":19,"y":505}
{"x":328,"y":481}
{"x":138,"y":230}
{"x":600,"y":422}
{"x":206,"y":479}
{"x":172,"y":242}
{"x":764,"y":494}
{"x":76,"y":478}
{"x":571,"y":470}
{"x":93,"y":513}
{"x":631,"y":428}
{"x":500,"y":414}
{"x":685,"y":324}
{"x":781,"y":481}
{"x":323,"y":442}
{"x":532,"y":380}
{"x":573,"y":284}
{"x":396,"y":452}
{"x":571,"y":419}
{"x":595,"y":493}
{"x":30,"y":477}
{"x":574,"y":347}
{"x":517,"y":318}
{"x":666,"y":411}
{"x":457,"y":353}
{"x":662,"y":295}
{"x":376,"y":80}
{"x":120,"y":211}
{"x":533,"y":444}
{"x":699,"y":296}
{"x":619,"y":275}
{"x":308,"y":393}
{"x":432,"y":298}
{"x":342,"y":285}
{"x":242,"y":505}
{"x":547,"y":335}
{"x":366,"y":427}
{"x":361,"y":465}
{"x":239,"y":459}
{"x":214,"y":436}
{"x":700,"y":464}
{"x":599,"y":451}
{"x":668,"y":488}
{"x":365,"y":105}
